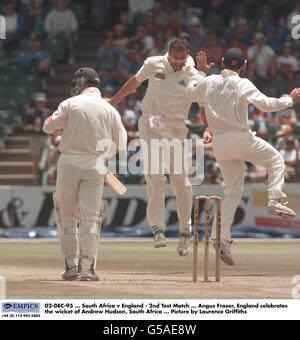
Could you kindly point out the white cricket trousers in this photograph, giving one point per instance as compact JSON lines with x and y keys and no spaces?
{"x":232,"y":150}
{"x":78,"y":205}
{"x":156,"y":183}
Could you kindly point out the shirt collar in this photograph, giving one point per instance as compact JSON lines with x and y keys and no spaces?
{"x":92,"y":91}
{"x":229,"y":73}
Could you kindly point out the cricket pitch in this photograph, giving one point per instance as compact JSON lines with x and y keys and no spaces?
{"x":133,"y":269}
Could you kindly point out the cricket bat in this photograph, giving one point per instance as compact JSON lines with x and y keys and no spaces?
{"x":115,"y":184}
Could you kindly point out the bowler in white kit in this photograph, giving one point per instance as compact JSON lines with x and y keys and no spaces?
{"x":165,"y":109}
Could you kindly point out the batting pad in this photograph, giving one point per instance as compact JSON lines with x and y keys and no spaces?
{"x":89,"y":235}
{"x":68,"y":235}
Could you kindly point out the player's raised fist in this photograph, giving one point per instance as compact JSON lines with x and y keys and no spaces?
{"x":295,"y":94}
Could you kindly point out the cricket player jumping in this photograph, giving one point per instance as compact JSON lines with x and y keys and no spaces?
{"x":226,"y":98}
{"x":86,"y":119}
{"x":165,"y":109}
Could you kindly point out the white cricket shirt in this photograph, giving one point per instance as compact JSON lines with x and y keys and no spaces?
{"x":226,"y":98}
{"x":167,"y":90}
{"x":88,"y":122}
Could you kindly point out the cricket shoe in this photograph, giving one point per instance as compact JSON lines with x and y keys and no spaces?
{"x":160,"y":240}
{"x":87,"y":270}
{"x":71,"y":274}
{"x":279,"y":208}
{"x":184,"y":246}
{"x":226,"y":255}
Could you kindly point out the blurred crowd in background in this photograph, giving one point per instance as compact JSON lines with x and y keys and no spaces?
{"x":42,"y":34}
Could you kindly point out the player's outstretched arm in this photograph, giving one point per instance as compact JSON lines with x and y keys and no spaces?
{"x":264,"y":103}
{"x":129,"y":87}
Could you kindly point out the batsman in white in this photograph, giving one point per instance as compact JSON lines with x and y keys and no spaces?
{"x":86,"y":119}
{"x":165,"y":108}
{"x":226,"y":98}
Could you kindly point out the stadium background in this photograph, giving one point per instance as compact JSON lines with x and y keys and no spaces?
{"x":41,"y":52}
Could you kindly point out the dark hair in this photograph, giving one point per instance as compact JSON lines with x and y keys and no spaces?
{"x":179,"y":45}
{"x":91,"y":84}
{"x":232,"y":68}
{"x":9,"y":4}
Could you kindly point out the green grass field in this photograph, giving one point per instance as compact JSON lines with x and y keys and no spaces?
{"x":134,"y":269}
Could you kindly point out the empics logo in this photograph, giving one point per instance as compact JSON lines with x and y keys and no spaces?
{"x":19,"y":307}
{"x":2,"y":27}
{"x":296,"y":27}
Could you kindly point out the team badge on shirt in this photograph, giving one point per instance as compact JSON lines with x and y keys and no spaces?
{"x":160,"y":75}
{"x":183,"y":83}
